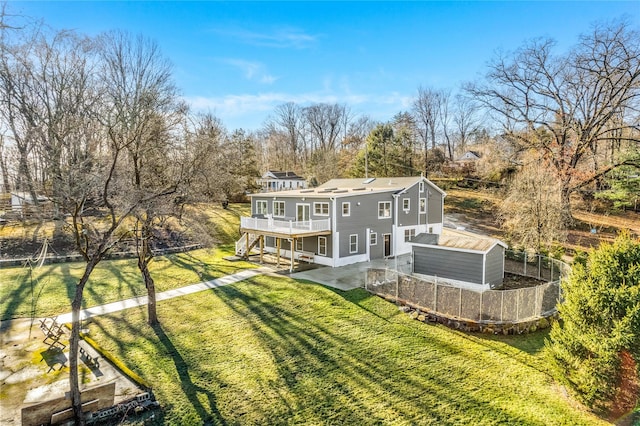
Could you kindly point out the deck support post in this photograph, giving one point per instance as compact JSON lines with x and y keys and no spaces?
{"x":278,"y":251}
{"x":261,"y":248}
{"x":293,"y":253}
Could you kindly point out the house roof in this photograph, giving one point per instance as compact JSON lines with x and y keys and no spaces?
{"x":457,"y":239}
{"x":348,"y":187}
{"x":288,"y":175}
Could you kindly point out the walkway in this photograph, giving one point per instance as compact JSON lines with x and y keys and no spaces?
{"x":169,"y":294}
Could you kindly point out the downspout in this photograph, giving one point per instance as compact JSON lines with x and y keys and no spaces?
{"x":335,"y":245}
{"x":395,"y":228}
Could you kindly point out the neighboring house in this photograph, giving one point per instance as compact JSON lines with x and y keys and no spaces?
{"x":459,"y":258}
{"x":21,"y":200}
{"x":280,"y":181}
{"x":469,"y":156}
{"x":343,"y":221}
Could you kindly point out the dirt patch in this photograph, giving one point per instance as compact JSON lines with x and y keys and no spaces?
{"x":33,"y":372}
{"x":514,"y":281}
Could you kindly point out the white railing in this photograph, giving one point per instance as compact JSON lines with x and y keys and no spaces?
{"x":285,"y":226}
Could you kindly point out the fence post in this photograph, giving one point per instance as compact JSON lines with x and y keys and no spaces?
{"x":518,"y":292}
{"x":435,"y":294}
{"x":481,"y":301}
{"x":539,"y":266}
{"x":460,"y":302}
{"x":397,"y":286}
{"x":552,"y":262}
{"x":525,"y":264}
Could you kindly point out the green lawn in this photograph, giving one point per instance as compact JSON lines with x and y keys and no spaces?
{"x":276,"y":351}
{"x":112,"y":280}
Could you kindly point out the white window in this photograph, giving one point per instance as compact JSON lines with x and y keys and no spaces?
{"x":261,"y":206}
{"x":373,"y":239}
{"x":353,"y":243}
{"x":421,"y":186}
{"x":299,"y":244}
{"x":406,"y":204}
{"x":346,"y":209}
{"x":384,"y":209}
{"x":423,"y":205}
{"x":409,"y":234}
{"x":321,"y":209}
{"x":322,"y":246}
{"x":278,"y":208}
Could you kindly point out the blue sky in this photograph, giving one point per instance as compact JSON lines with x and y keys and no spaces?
{"x":239,"y":60}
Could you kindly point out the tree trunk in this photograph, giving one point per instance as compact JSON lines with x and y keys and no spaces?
{"x":565,"y":199}
{"x":74,"y":342}
{"x":143,"y":265}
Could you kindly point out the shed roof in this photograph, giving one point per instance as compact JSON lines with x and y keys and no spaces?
{"x":457,"y":239}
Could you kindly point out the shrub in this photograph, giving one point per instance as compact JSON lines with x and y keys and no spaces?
{"x":600,"y":319}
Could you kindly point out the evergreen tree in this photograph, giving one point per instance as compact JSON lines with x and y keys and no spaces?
{"x":600,"y":322}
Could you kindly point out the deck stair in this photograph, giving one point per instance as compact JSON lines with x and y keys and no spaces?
{"x":241,"y":244}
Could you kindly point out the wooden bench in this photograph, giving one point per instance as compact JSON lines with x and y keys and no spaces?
{"x":306,"y":256}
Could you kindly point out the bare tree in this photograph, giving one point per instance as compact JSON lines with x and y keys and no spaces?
{"x":464,"y":120}
{"x":426,"y":108}
{"x":288,"y":121}
{"x":531,"y":212}
{"x":570,"y":107}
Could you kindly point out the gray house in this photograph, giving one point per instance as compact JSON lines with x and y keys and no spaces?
{"x":343,"y":221}
{"x":460,"y":258}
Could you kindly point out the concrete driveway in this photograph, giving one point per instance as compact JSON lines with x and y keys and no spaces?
{"x":343,"y":277}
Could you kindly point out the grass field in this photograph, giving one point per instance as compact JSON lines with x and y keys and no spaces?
{"x":53,"y":285}
{"x":276,"y":351}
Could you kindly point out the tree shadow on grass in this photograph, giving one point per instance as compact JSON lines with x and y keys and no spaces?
{"x":191,"y":390}
{"x":320,"y":363}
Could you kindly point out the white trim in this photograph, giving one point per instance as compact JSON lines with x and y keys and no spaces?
{"x":348,"y":204}
{"x":384,"y":217}
{"x":266,"y":207}
{"x":461,"y":250}
{"x":375,"y":234}
{"x":484,"y":268}
{"x":325,"y":246}
{"x":284,"y":208}
{"x":406,"y":209}
{"x":320,"y":203}
{"x":351,"y":251}
{"x":420,"y":210}
{"x":309,"y":211}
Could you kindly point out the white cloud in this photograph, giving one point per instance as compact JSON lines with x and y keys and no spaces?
{"x":283,"y":37}
{"x":255,"y":71}
{"x":250,"y":111}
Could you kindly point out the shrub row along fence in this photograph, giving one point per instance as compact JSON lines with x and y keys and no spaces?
{"x":489,"y":306}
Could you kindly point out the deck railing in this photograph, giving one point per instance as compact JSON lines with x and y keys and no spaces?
{"x":285,"y":226}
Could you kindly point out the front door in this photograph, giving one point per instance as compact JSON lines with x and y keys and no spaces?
{"x":303,"y":212}
{"x":387,"y":245}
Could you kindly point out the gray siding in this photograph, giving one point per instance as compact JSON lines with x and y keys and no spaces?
{"x":449,"y":264}
{"x":435,"y":201}
{"x":290,"y":206}
{"x":410,"y":217}
{"x":363,"y":217}
{"x":494,"y":272}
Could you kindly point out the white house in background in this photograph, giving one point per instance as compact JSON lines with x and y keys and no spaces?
{"x":19,"y":200}
{"x":469,"y":156}
{"x":281,"y":181}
